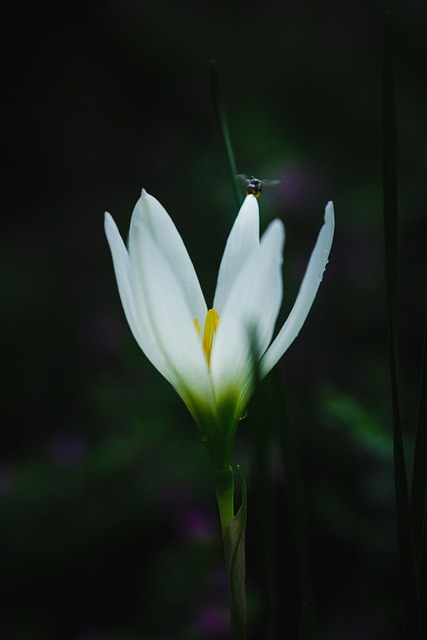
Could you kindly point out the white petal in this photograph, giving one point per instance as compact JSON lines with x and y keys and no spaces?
{"x":122,"y":270}
{"x":249,"y":315}
{"x":243,"y":239}
{"x":159,"y":293}
{"x":306,"y":295}
{"x":149,"y":216}
{"x":136,"y":317}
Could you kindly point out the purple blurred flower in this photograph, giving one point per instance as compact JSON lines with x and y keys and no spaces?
{"x":67,"y":450}
{"x":365,"y":627}
{"x":197,"y":524}
{"x":300,"y":188}
{"x":211,"y":621}
{"x":102,"y":334}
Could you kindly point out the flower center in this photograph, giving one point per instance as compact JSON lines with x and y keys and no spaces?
{"x":211,"y":324}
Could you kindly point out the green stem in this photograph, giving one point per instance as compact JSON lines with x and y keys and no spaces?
{"x":224,"y":480}
{"x":407,"y":551}
{"x":223,"y":127}
{"x":233,"y":534}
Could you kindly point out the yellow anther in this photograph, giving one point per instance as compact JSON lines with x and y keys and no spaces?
{"x":211,"y":324}
{"x":196,"y":324}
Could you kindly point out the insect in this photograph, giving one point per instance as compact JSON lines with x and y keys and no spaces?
{"x":254,"y":186}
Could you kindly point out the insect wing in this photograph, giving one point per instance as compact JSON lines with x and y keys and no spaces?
{"x":270,"y":183}
{"x":243,"y":178}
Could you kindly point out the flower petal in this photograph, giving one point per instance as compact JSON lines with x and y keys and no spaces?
{"x":243,"y":239}
{"x":149,"y":216}
{"x":249,"y":315}
{"x":122,"y":270}
{"x":306,"y":295}
{"x":136,"y":317}
{"x":160,"y":295}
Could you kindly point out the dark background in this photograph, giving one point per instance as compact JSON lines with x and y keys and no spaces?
{"x":108,"y":523}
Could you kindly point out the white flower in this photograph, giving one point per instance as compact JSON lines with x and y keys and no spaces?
{"x":211,"y":357}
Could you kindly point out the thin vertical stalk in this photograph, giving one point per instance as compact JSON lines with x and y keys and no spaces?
{"x":224,"y":130}
{"x":410,"y":589}
{"x":262,"y":496}
{"x":297,"y":504}
{"x":419,"y":476}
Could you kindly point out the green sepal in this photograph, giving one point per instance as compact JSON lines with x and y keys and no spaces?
{"x":234,"y":549}
{"x":218,"y":424}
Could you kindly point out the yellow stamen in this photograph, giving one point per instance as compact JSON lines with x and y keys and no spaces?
{"x":211,"y":324}
{"x":196,"y":324}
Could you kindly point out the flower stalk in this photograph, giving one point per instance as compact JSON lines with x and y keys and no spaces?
{"x":224,"y":483}
{"x":233,"y":535}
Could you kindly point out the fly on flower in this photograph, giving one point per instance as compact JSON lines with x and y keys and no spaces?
{"x":254,"y":186}
{"x":206,"y":353}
